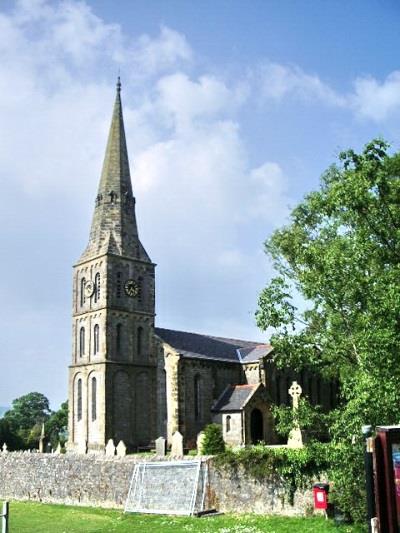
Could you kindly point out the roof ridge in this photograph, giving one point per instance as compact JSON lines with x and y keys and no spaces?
{"x":256,"y":343}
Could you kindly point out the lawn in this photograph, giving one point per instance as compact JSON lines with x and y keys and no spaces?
{"x":41,"y":518}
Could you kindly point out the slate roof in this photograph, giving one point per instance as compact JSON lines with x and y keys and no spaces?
{"x":199,"y":346}
{"x":234,"y":397}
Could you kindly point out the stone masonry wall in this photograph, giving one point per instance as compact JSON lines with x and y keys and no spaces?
{"x":101,"y":481}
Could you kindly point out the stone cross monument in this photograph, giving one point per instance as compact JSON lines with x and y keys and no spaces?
{"x":295,"y":439}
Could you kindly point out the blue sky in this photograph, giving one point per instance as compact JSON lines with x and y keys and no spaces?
{"x":233,"y":110}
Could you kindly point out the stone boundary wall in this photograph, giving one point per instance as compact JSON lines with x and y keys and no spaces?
{"x":101,"y":481}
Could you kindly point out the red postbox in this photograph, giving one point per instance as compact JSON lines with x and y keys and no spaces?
{"x":320,"y":493}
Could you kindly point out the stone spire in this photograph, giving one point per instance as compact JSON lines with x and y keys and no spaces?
{"x":114,"y":228}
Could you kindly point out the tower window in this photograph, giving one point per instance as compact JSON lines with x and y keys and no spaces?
{"x":228,"y":423}
{"x":97,"y":287}
{"x":96,"y":331}
{"x":82,"y":293}
{"x":94,"y":399}
{"x":139,"y":340}
{"x":82,"y":341}
{"x":197,"y":397}
{"x":118,"y":338}
{"x":79,"y":400}
{"x":119,"y":284}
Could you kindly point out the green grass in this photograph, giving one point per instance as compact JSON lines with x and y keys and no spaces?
{"x":42,"y":518}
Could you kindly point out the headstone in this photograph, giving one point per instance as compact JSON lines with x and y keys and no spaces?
{"x":177,"y":445}
{"x":199,"y":442}
{"x":295,"y":439}
{"x":5,"y":448}
{"x":161,"y":447}
{"x":110,"y":448}
{"x":41,"y":440}
{"x":121,"y":449}
{"x":58,"y":449}
{"x":82,"y":447}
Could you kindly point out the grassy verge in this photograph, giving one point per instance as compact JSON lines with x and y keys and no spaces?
{"x":39,"y":518}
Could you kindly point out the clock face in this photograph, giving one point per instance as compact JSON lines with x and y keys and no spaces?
{"x":89,"y":288}
{"x":131,"y":288}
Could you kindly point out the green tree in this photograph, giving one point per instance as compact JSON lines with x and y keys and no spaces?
{"x":341,"y":254}
{"x":7,"y":436}
{"x":213,"y":441}
{"x":27,"y":413}
{"x":56,"y":426}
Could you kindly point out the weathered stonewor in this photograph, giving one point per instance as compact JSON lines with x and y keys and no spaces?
{"x":101,"y":481}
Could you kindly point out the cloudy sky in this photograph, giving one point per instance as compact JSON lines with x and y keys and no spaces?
{"x":233,"y":109}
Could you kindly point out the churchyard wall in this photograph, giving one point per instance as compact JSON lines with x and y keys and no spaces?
{"x":102,"y":481}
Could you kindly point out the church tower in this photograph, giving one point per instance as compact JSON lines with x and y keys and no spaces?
{"x":112,"y":380}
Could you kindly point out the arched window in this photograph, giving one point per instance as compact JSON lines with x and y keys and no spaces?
{"x":79,"y":400}
{"x":97,"y":287}
{"x":82,"y":293}
{"x":82,"y":341}
{"x":119,"y":284}
{"x":119,"y":338}
{"x":94,"y":399}
{"x":96,"y":331}
{"x":197,"y":397}
{"x":228,"y":423}
{"x":139,"y":340}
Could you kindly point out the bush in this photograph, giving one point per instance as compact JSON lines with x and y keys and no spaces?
{"x":213,"y":441}
{"x":295,"y":468}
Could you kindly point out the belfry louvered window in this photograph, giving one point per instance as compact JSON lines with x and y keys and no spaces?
{"x":96,"y":332}
{"x":97,"y":287}
{"x":82,"y":341}
{"x":82,"y":292}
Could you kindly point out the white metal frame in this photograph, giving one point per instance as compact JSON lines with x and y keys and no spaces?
{"x":134,"y":501}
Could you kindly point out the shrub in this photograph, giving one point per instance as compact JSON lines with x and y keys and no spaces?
{"x":213,"y":441}
{"x":295,"y":468}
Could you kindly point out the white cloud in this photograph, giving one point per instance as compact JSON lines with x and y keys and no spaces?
{"x":370,"y":98}
{"x":280,"y":81}
{"x":271,"y":199}
{"x":376,"y":100}
{"x":152,"y":55}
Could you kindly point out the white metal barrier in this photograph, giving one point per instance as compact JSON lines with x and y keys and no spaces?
{"x":168,"y":487}
{"x":4,"y":517}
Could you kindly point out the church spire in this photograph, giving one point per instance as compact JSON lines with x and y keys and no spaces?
{"x":114,"y":228}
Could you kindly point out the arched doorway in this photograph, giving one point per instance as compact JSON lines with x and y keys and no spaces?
{"x":256,"y":426}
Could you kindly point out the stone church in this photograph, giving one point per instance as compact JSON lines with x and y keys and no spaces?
{"x":130,"y":380}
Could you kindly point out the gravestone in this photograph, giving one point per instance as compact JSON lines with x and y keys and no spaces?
{"x":177,"y":445}
{"x":5,"y":449}
{"x":82,"y":447}
{"x":161,"y":448}
{"x":121,"y":449}
{"x":199,"y":442}
{"x":110,"y":448}
{"x":295,"y":439}
{"x":41,"y":440}
{"x":58,"y":449}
